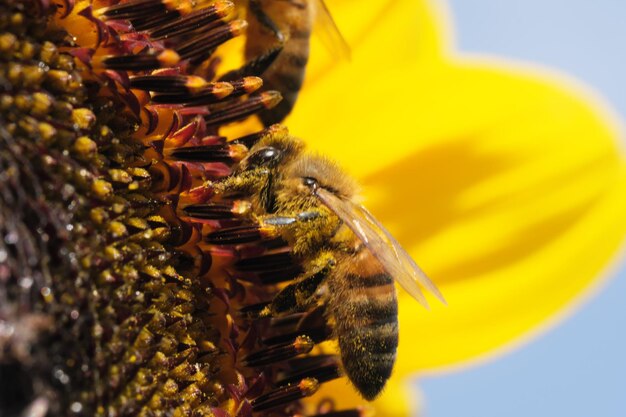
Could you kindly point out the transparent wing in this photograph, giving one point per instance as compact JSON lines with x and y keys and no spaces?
{"x":417,"y":275}
{"x":328,"y":32}
{"x":396,"y":261}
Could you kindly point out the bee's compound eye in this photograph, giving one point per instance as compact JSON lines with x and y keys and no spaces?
{"x":310,"y":182}
{"x":264,"y":156}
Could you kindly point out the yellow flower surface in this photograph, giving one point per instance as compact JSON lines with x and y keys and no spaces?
{"x":506,"y":182}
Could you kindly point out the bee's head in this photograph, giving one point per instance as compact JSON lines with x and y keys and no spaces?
{"x":271,"y":152}
{"x":310,"y":172}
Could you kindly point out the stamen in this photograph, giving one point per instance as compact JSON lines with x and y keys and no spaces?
{"x":141,"y":62}
{"x":218,"y":211}
{"x":320,"y":374}
{"x":155,"y":20}
{"x":305,"y":388}
{"x":247,"y":85}
{"x":201,"y":47}
{"x":150,"y":14}
{"x":201,"y":19}
{"x":353,"y":412}
{"x":131,"y":9}
{"x":212,"y":93}
{"x":311,"y":362}
{"x":275,"y":277}
{"x":228,"y":154}
{"x":170,"y":84}
{"x":250,"y":140}
{"x":280,"y":352}
{"x":266,"y":263}
{"x":317,"y":334}
{"x":235,"y":235}
{"x":242,"y":109}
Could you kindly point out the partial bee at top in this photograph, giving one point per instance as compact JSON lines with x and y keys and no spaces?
{"x":277,"y":47}
{"x":186,"y":34}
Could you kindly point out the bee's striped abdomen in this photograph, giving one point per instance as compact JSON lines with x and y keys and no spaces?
{"x":366,"y":315}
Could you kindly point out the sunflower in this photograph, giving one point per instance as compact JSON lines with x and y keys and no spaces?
{"x":118,"y":295}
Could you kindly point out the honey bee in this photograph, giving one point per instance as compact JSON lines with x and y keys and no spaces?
{"x":286,"y":26}
{"x":350,"y":260}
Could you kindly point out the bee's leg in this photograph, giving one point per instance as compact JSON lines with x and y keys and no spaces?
{"x":255,"y":67}
{"x":266,"y":227}
{"x":300,"y":295}
{"x":303,"y":217}
{"x":257,"y":10}
{"x":245,"y":182}
{"x":258,"y":65}
{"x":305,"y":231}
{"x":317,"y":226}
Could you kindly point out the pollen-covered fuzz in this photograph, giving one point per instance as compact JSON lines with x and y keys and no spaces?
{"x":127,"y":285}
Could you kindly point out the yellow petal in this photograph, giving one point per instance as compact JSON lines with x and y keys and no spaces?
{"x":506,"y":182}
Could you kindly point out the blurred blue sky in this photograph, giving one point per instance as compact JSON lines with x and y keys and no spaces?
{"x":579,"y":368}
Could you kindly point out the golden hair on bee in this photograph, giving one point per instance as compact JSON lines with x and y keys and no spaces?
{"x":327,"y":172}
